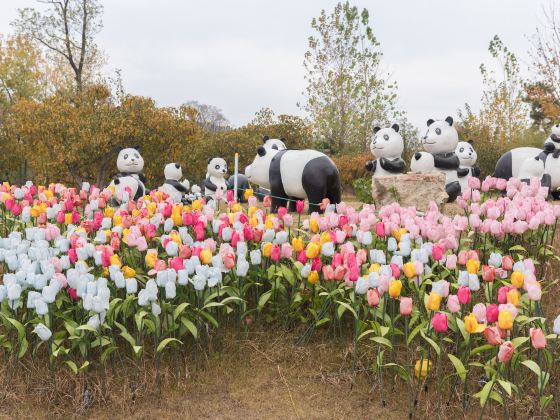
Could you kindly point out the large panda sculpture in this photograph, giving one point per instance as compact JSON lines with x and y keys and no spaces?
{"x":130,"y":164}
{"x":387,"y":146}
{"x":467,"y":159}
{"x":440,"y":142}
{"x":174,"y":186}
{"x":295,"y":174}
{"x":215,"y":185}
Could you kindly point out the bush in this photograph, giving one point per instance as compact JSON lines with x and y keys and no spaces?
{"x":362,"y":189}
{"x":351,"y":167}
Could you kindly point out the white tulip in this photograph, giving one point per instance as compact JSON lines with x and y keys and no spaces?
{"x":42,"y":331}
{"x":131,"y":286}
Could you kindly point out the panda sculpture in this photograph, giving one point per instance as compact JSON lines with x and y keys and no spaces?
{"x":440,"y":141}
{"x":467,"y":159}
{"x":173,"y":186}
{"x":387,"y":146}
{"x":554,"y":138}
{"x":275,"y":144}
{"x":130,"y":164}
{"x":215,"y":185}
{"x":295,"y":174}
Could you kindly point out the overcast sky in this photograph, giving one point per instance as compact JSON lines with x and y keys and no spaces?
{"x":247,"y":54}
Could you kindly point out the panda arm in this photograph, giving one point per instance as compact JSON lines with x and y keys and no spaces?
{"x":177,"y":185}
{"x":142,"y":177}
{"x":462,"y":172}
{"x":549,"y":148}
{"x":447,"y":161}
{"x":396,"y":165}
{"x":209,"y":184}
{"x":371,"y":165}
{"x":476,"y":171}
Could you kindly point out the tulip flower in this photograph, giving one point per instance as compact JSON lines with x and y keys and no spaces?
{"x":42,"y":331}
{"x":538,"y":340}
{"x":453,"y":304}
{"x":517,"y":279}
{"x":434,"y":301}
{"x":473,"y":266}
{"x":373,"y":297}
{"x":464,"y":295}
{"x":492,"y":312}
{"x":300,"y":206}
{"x":422,"y":368}
{"x":488,"y":273}
{"x":506,"y":352}
{"x":493,"y":336}
{"x":313,"y":277}
{"x":405,"y":306}
{"x":395,"y":287}
{"x":439,"y":322}
{"x":505,"y":320}
{"x":471,"y":324}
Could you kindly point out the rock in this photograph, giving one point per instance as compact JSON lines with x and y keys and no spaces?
{"x":410,"y":189}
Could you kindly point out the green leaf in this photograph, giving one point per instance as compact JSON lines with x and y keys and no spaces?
{"x":263,"y":299}
{"x":212,"y":305}
{"x":518,"y":341}
{"x":533,"y":366}
{"x":431,"y":342}
{"x":485,"y":393}
{"x":161,"y":346}
{"x":481,"y":349}
{"x":86,"y":328}
{"x":415,"y":331}
{"x":517,"y":248}
{"x":382,"y":340}
{"x":23,"y":345}
{"x":401,"y":371}
{"x":72,"y":366}
{"x":190,"y":326}
{"x":343,"y":306}
{"x":107,"y":352}
{"x":506,"y":385}
{"x":545,"y":400}
{"x":459,"y":367}
{"x":461,"y":326}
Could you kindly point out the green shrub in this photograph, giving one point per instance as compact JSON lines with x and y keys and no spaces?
{"x":362,"y":189}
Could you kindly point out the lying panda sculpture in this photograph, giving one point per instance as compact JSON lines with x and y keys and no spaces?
{"x":130,"y":164}
{"x":295,"y":174}
{"x":387,"y":146}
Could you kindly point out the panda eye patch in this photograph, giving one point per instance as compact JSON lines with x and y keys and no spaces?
{"x":136,"y":156}
{"x":125,"y":157}
{"x":438,"y":131}
{"x":217,"y":166}
{"x":461,"y":150}
{"x":275,"y":147}
{"x":386,"y":137}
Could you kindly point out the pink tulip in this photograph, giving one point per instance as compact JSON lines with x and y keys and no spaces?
{"x":493,"y":336}
{"x":492,"y":312}
{"x":538,"y":340}
{"x":437,"y":252}
{"x":439,"y":322}
{"x":275,"y":253}
{"x":373,"y":297}
{"x":479,"y":311}
{"x":380,"y":229}
{"x":286,"y":250}
{"x":453,"y":304}
{"x":300,"y":206}
{"x":506,"y":352}
{"x":464,"y":295}
{"x":328,"y":272}
{"x":451,"y":262}
{"x":405,"y":306}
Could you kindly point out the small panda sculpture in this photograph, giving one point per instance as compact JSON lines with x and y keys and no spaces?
{"x":387,"y":146}
{"x":295,"y":174}
{"x":467,"y":159}
{"x":130,"y":164}
{"x":553,"y":139}
{"x":275,"y":144}
{"x":522,"y":163}
{"x":441,"y":141}
{"x":173,"y":185}
{"x":215,"y":185}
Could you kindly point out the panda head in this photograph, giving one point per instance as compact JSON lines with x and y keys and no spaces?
{"x":387,"y":142}
{"x":441,"y":136}
{"x":466,"y":153}
{"x":130,"y":160}
{"x":217,"y":167}
{"x":258,"y":171}
{"x":173,"y":171}
{"x":556,"y":130}
{"x":274,"y":144}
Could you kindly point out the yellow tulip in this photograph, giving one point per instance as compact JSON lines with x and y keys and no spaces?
{"x":105,"y":271}
{"x":197,"y":205}
{"x":177,"y":219}
{"x":48,"y":194}
{"x":175,"y":237}
{"x":68,"y":218}
{"x":268,"y":224}
{"x":513,"y":297}
{"x":325,"y":237}
{"x":253,"y":221}
{"x":267,"y":249}
{"x":312,"y":250}
{"x":297,"y":244}
{"x":128,"y":272}
{"x":434,"y":301}
{"x":374,"y":268}
{"x":35,"y":211}
{"x":251,"y":212}
{"x":517,"y":279}
{"x":473,"y":266}
{"x":117,"y":220}
{"x":152,"y":207}
{"x":115,"y":260}
{"x":399,"y":233}
{"x":422,"y":371}
{"x":409,"y":269}
{"x":205,"y":256}
{"x":135,"y":212}
{"x":150,"y":259}
{"x":313,"y":225}
{"x":395,"y":287}
{"x":248,"y":193}
{"x":505,"y":320}
{"x":236,"y":208}
{"x":313,"y":277}
{"x":471,"y":324}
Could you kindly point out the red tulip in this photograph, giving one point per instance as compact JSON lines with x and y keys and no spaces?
{"x":464,"y":295}
{"x":300,"y":206}
{"x":492,"y":312}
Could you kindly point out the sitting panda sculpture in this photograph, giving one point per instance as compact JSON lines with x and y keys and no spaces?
{"x":467,"y":159}
{"x":387,"y":146}
{"x":440,"y":142}
{"x":295,"y":174}
{"x":554,"y":138}
{"x":130,"y":164}
{"x":173,"y":186}
{"x":215,"y":185}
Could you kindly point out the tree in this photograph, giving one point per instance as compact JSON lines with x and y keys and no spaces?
{"x":543,"y":92}
{"x":210,"y":117}
{"x":66,"y":30}
{"x":503,"y":114}
{"x":347,"y":95}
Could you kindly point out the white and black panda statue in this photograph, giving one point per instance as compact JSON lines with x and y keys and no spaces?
{"x":295,"y":174}
{"x":275,"y":144}
{"x":387,"y":146}
{"x":174,"y":186}
{"x":467,"y":159}
{"x":440,"y":141}
{"x":554,"y":138}
{"x":215,"y":185}
{"x":130,"y":164}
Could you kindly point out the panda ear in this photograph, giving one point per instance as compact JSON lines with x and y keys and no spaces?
{"x":430,"y":122}
{"x":376,"y":129}
{"x":282,"y":139}
{"x":449,"y":120}
{"x":261,"y":151}
{"x":177,"y":166}
{"x":265,"y":138}
{"x":470,"y":141}
{"x":209,"y":159}
{"x":395,"y":127}
{"x":137,"y":147}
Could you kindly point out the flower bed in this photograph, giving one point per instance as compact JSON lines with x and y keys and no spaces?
{"x":430,"y":298}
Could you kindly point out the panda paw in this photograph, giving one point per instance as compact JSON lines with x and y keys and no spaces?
{"x":117,"y":181}
{"x":417,"y":155}
{"x":369,"y":165}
